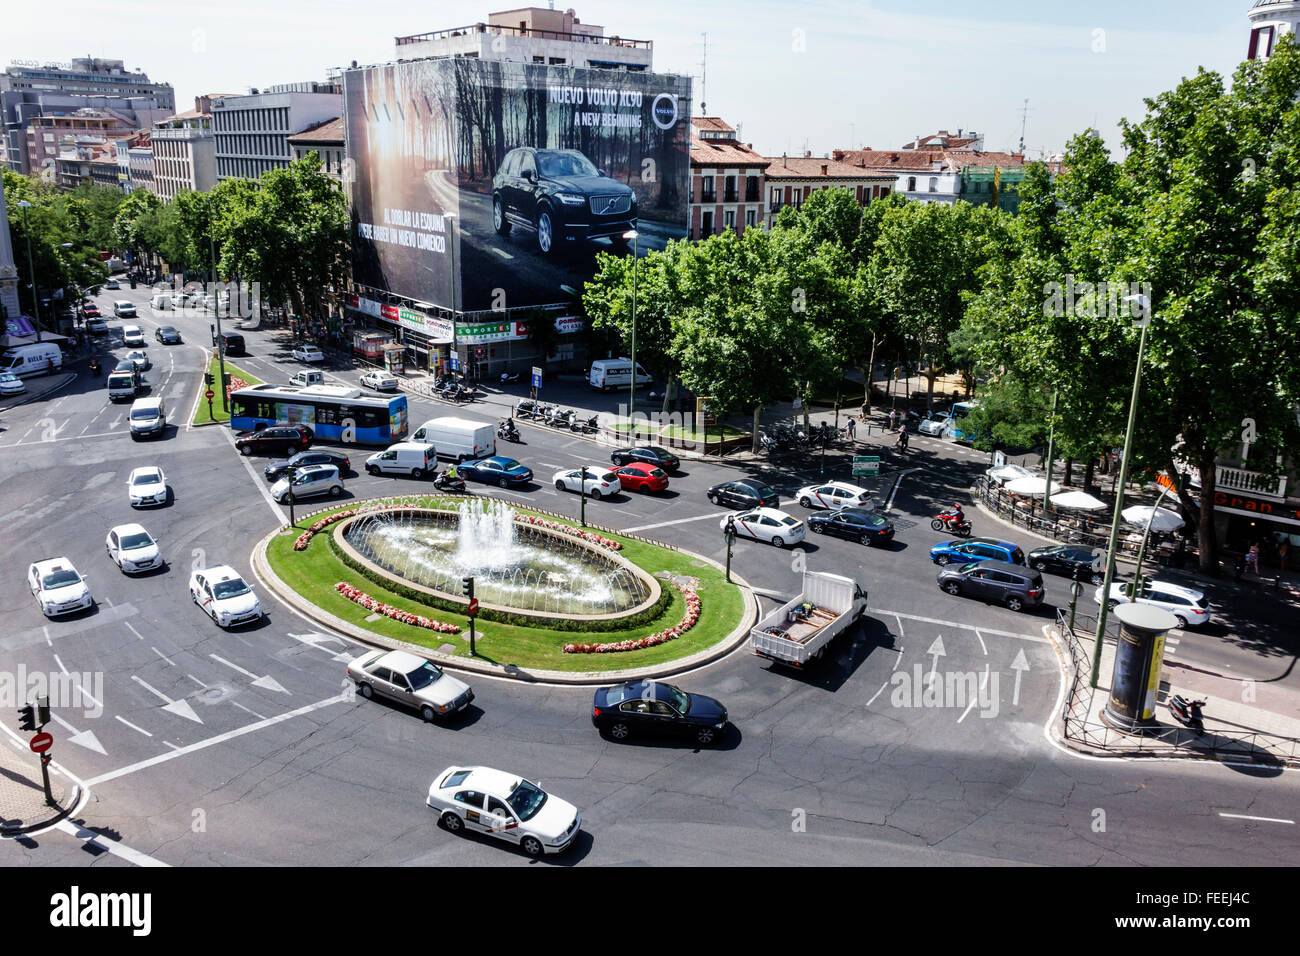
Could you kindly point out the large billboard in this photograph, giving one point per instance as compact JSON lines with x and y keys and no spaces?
{"x":541,"y":168}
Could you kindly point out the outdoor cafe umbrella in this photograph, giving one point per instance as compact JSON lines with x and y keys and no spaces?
{"x":1031,"y":485}
{"x":1009,"y":472}
{"x":1079,"y":500}
{"x":1161,"y":519}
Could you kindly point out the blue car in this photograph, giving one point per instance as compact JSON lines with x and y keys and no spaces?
{"x":966,"y":550}
{"x":504,"y":472}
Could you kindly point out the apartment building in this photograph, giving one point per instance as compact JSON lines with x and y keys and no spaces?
{"x":792,"y":179}
{"x":184,"y":151}
{"x":726,"y":180}
{"x":252,"y":132}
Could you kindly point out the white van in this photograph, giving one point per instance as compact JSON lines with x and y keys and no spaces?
{"x":161,"y":301}
{"x":122,"y":384}
{"x":35,"y":359}
{"x":458,"y":438}
{"x":616,"y":373}
{"x":405,"y":458}
{"x":148,"y":417}
{"x":124,"y":309}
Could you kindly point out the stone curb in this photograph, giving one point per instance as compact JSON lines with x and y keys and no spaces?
{"x":267,"y":575}
{"x":63,"y":814}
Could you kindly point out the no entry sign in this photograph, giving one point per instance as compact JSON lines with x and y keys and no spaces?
{"x":41,"y":743}
{"x":473,"y":606}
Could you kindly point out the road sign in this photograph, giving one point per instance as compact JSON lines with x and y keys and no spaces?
{"x":473,"y":606}
{"x":455,"y":362}
{"x":537,"y":377}
{"x":209,"y":394}
{"x":41,"y":743}
{"x":866,"y":464}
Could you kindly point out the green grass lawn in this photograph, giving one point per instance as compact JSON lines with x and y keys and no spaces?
{"x":714,"y":433}
{"x":201,"y":416}
{"x":314,"y":572}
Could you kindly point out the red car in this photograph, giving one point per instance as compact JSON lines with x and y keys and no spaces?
{"x":89,"y":310}
{"x":639,"y":476}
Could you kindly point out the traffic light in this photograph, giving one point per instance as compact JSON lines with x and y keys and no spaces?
{"x":42,"y":711}
{"x":467,"y":586}
{"x":213,"y":327}
{"x":208,"y":379}
{"x":27,"y":718}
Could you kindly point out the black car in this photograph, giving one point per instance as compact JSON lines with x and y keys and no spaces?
{"x":998,"y":582}
{"x":857,"y":524}
{"x":651,"y":707}
{"x":744,"y":495}
{"x":276,"y":469}
{"x":275,"y":439}
{"x":560,"y":195}
{"x":168,"y":335}
{"x":655,"y":455}
{"x":1067,"y":559}
{"x":232,"y":343}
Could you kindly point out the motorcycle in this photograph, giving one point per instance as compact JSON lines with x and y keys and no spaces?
{"x":95,"y":368}
{"x":585,"y":426}
{"x":507,"y":434}
{"x":1187,"y":712}
{"x":508,"y":379}
{"x":949,"y":522}
{"x":443,"y":483}
{"x":526,"y":408}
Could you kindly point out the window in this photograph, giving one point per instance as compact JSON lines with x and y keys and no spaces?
{"x":751,"y":189}
{"x":729,"y":219}
{"x":934,"y":184}
{"x":539,"y":59}
{"x":557,"y":61}
{"x":707,"y":195}
{"x":471,"y":798}
{"x":706,"y":224}
{"x":749,"y":218}
{"x":911,"y":184}
{"x":729,"y":189}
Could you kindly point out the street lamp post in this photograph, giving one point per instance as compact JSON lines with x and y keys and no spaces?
{"x":582,"y":492}
{"x":1145,"y":306}
{"x":632,"y":234}
{"x":24,"y":205}
{"x":216,"y":314}
{"x":1051,"y":455}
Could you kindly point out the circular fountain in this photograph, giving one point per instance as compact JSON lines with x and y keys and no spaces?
{"x":517,"y":567}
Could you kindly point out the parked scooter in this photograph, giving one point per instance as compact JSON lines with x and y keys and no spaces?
{"x":584,"y":426}
{"x":509,"y":379}
{"x":1187,"y":712}
{"x":949,"y":522}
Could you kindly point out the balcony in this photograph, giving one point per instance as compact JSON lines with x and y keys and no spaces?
{"x":1249,"y":482}
{"x":729,"y":196}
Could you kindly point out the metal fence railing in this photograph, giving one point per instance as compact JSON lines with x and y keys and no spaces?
{"x":1079,"y":726}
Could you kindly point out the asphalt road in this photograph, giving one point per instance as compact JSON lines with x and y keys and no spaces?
{"x":209,"y":747}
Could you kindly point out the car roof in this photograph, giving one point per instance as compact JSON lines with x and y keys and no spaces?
{"x":124,"y":529}
{"x":403,"y":661}
{"x":146,"y":470}
{"x":315,"y":468}
{"x":220,"y":572}
{"x":497,"y":783}
{"x":768,"y":512}
{"x":51,"y":564}
{"x":750,"y":482}
{"x":1017,"y":569}
{"x":1169,"y":587}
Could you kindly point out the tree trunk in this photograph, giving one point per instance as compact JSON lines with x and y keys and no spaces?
{"x":1089,"y":475}
{"x":1069,"y":472}
{"x":754,"y":446}
{"x":1206,"y":543}
{"x":870,"y":371}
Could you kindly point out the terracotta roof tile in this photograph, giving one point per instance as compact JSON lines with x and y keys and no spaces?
{"x":329,"y":131}
{"x":713,"y":152}
{"x":711,"y":123}
{"x":808,"y":167}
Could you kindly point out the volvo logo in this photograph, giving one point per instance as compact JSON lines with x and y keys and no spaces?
{"x":610,"y":203}
{"x":664,"y":110}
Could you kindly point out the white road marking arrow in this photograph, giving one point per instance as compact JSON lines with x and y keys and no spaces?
{"x":83,"y":738}
{"x":1019,"y":665}
{"x":266,"y":683}
{"x":937,"y":650}
{"x":314,"y":639}
{"x":180,"y":708}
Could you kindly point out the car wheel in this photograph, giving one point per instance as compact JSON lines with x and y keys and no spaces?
{"x":1097,"y":578}
{"x":417,"y":473}
{"x":1111,"y":605}
{"x":559,"y":486}
{"x":1040,"y":565}
{"x":713,"y":499}
{"x":952,"y":587}
{"x":245,"y":449}
{"x":817,"y":528}
{"x":427,"y":713}
{"x":805,"y":501}
{"x":620,"y":731}
{"x":336,"y":490}
{"x":367,"y":691}
{"x":1182,"y":621}
{"x":943,"y":560}
{"x":292,"y":449}
{"x":452,"y":822}
{"x":531,"y":845}
{"x":372,"y":470}
{"x":503,"y":482}
{"x":1015,"y":603}
{"x":499,"y":221}
{"x":282,"y":499}
{"x":779,"y":541}
{"x":705,"y":736}
{"x":545,"y":232}
{"x":595,"y":494}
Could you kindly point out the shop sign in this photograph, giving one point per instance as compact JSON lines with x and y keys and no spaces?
{"x":1254,"y":507}
{"x":486,"y":332}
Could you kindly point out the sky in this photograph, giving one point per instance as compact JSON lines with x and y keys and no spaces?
{"x":808,"y":75}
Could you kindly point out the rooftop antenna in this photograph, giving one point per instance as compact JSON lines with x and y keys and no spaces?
{"x":853,"y":136}
{"x":704,"y":74}
{"x":1024,"y":120}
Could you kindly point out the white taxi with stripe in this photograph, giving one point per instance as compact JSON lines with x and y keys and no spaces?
{"x":766,"y":524}
{"x":835,"y":495}
{"x":505,"y":806}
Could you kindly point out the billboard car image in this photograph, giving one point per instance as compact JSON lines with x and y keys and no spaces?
{"x":540,"y":167}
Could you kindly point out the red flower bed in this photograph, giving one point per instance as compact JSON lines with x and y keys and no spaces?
{"x":357,"y":596}
{"x":687,"y":622}
{"x":305,"y":538}
{"x":591,"y":536}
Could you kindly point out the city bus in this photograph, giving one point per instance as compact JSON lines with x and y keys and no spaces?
{"x":959,"y":411}
{"x":334,"y":413}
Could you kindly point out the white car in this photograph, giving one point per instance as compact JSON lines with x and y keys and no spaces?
{"x":600,"y":483}
{"x":147,"y":486}
{"x":11,"y":384}
{"x":1188,"y":606}
{"x":111,"y":284}
{"x":308,"y":353}
{"x":410,"y":680}
{"x":766,"y":524}
{"x":503,"y":805}
{"x":379,"y":381}
{"x":933,"y":424}
{"x":141,"y":359}
{"x":224,"y":595}
{"x":133,"y":549}
{"x":835,"y":495}
{"x":59,"y":589}
{"x":131,"y":334}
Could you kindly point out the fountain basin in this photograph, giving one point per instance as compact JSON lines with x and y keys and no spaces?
{"x":521,"y":570}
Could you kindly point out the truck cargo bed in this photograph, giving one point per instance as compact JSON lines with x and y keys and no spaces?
{"x":803,"y":630}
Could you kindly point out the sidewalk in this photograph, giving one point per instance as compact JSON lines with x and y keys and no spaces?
{"x":22,"y":794}
{"x":1238,"y":724}
{"x":38,"y":388}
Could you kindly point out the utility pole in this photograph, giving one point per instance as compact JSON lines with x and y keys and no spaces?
{"x":1024,"y":120}
{"x":704,"y":72}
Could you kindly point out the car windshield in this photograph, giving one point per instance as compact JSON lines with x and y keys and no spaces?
{"x":966,"y":568}
{"x":139,"y":414}
{"x":564,"y":164}
{"x":507,"y":463}
{"x":424,"y":675}
{"x":788,"y":521}
{"x":526,"y":800}
{"x":228,"y":589}
{"x":681,"y":701}
{"x":60,"y":578}
{"x":656,"y":473}
{"x":616,"y":695}
{"x":8,"y":377}
{"x":136,"y":540}
{"x":148,"y":478}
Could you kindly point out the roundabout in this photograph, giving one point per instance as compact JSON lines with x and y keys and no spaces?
{"x":559,"y":602}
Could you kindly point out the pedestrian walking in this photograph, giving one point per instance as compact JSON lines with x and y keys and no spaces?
{"x":893,"y":419}
{"x":852,"y":427}
{"x":1252,"y":558}
{"x":1283,"y":551}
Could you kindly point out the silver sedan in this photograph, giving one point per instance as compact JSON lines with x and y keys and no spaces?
{"x":409,"y":680}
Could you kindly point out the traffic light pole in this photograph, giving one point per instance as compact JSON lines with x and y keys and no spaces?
{"x":467,"y":585}
{"x":582,"y":490}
